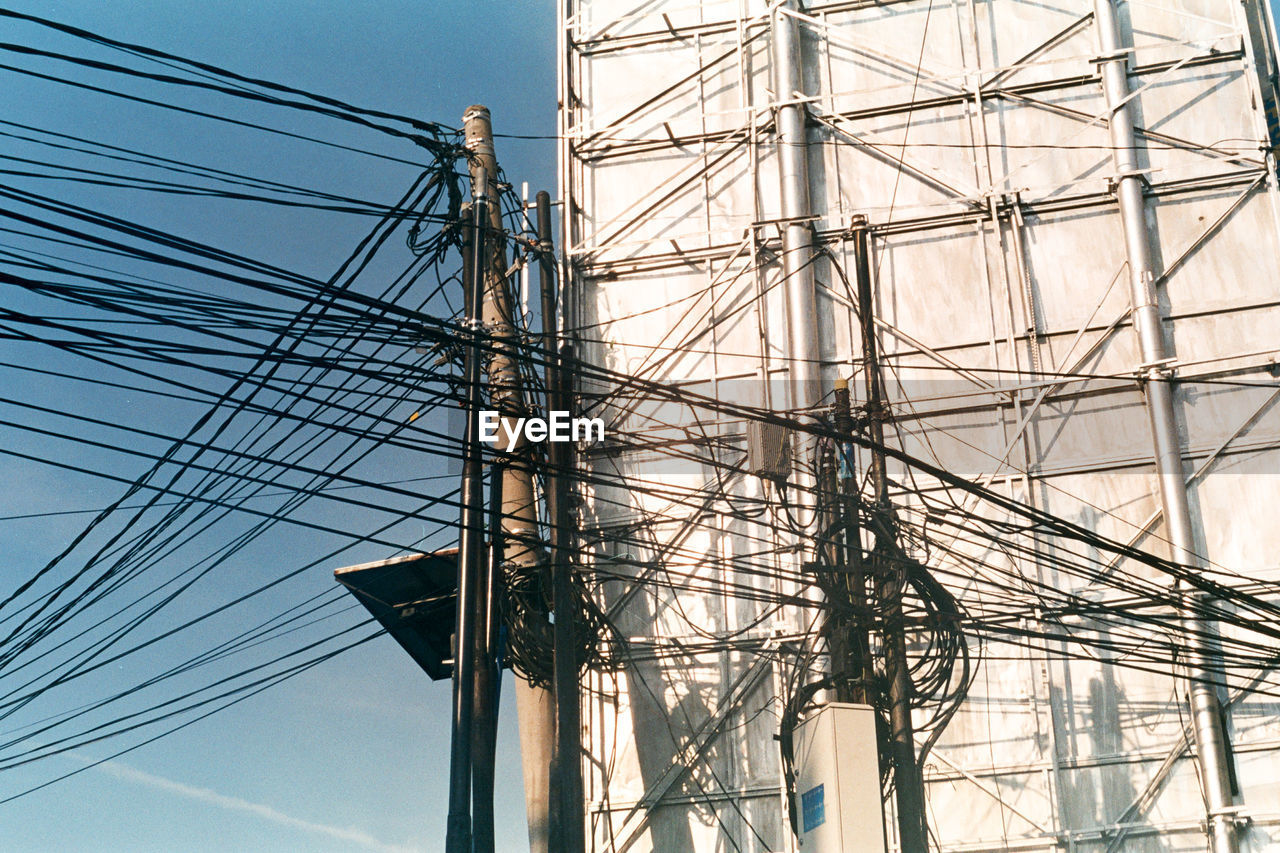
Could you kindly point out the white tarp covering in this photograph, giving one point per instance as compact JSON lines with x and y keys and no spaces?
{"x":973,"y":137}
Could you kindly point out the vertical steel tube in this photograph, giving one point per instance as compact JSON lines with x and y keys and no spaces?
{"x":470,"y":545}
{"x":803,"y":352}
{"x":1206,"y":708}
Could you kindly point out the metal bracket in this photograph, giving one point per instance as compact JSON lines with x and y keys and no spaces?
{"x":1156,"y":370}
{"x":1113,"y":181}
{"x":1103,"y":58}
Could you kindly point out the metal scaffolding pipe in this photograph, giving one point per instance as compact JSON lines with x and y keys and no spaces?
{"x":802,"y":348}
{"x":1206,"y":708}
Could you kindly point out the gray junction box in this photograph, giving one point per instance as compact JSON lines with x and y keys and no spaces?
{"x":838,"y":807}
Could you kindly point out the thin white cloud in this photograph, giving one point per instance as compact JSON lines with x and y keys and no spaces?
{"x":204,"y":795}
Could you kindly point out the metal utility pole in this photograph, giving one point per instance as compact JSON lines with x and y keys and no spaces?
{"x":470,"y":542}
{"x":803,"y":352}
{"x":484,"y":733}
{"x":839,"y":553}
{"x":889,"y":571}
{"x":489,"y":318}
{"x":1206,"y":708}
{"x":568,"y":826}
{"x":847,"y":633}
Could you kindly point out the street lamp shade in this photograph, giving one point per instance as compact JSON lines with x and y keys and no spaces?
{"x":413,"y":597}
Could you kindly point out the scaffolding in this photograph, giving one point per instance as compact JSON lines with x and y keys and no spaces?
{"x":975,"y":145}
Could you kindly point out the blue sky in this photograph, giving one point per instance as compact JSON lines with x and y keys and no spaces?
{"x":352,"y":755}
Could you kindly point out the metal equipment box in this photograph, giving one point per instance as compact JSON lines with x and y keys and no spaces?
{"x":769,"y":451}
{"x":838,"y":806}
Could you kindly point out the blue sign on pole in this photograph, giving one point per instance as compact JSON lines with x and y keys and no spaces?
{"x":812,"y":808}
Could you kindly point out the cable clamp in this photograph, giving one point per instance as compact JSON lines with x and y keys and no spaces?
{"x":1157,"y":370}
{"x":865,"y":414}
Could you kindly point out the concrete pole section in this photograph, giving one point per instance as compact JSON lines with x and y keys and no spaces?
{"x":519,"y":514}
{"x":803,"y":352}
{"x":1206,"y":707}
{"x":536,"y":717}
{"x":521,"y":550}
